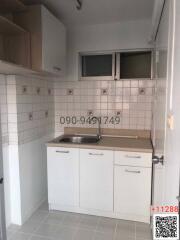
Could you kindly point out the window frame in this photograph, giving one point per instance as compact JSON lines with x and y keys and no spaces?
{"x":116,"y":58}
{"x":118,"y":63}
{"x":97,"y":78}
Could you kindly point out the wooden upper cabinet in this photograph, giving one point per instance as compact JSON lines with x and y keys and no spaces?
{"x":9,"y":6}
{"x":14,"y":43}
{"x":48,"y":39}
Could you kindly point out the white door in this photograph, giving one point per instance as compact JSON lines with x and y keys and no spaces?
{"x":96,"y":179}
{"x":54,"y":43}
{"x":167,"y":137}
{"x":2,"y":205}
{"x":63,"y":176}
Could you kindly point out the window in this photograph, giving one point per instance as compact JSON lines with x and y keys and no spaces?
{"x":115,"y":66}
{"x":135,"y":65}
{"x":97,"y":66}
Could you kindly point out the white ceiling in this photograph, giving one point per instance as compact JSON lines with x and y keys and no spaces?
{"x":99,"y":11}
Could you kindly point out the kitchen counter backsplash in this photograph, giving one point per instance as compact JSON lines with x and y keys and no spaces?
{"x":120,"y":104}
{"x":30,"y":108}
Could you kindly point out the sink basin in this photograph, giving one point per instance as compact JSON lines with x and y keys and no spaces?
{"x":78,"y":139}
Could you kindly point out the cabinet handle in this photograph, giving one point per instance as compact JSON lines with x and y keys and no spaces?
{"x":132,"y":171}
{"x":127,"y":156}
{"x":62,"y":151}
{"x":57,"y":68}
{"x":96,"y":154}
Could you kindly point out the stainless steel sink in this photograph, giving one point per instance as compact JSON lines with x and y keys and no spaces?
{"x":78,"y":139}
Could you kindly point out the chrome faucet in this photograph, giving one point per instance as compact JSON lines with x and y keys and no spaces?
{"x":99,"y":126}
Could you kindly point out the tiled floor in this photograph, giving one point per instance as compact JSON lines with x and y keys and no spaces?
{"x":54,"y":225}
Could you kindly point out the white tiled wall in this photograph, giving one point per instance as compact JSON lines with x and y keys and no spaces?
{"x":132,"y":99}
{"x":30,"y":108}
{"x":25,"y":115}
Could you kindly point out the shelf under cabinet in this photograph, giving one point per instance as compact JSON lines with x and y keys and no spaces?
{"x":9,"y":27}
{"x":7,"y":6}
{"x":11,"y":68}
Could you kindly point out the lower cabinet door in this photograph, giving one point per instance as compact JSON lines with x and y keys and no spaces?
{"x":63,"y":176}
{"x":96,"y":179}
{"x":132,"y":190}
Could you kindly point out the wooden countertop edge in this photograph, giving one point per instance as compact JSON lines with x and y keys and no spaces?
{"x":85,"y":146}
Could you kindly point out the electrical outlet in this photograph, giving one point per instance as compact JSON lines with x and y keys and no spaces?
{"x":142,"y":91}
{"x":104,"y":91}
{"x":46,"y":114}
{"x":118,"y":113}
{"x":70,"y":92}
{"x":30,"y":116}
{"x":90,"y":113}
{"x":49,"y":91}
{"x":38,"y":90}
{"x":24,"y":89}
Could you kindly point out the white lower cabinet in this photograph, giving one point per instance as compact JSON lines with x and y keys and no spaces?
{"x":132,"y":191}
{"x":63,"y":176}
{"x":96,"y":179}
{"x":100,"y":182}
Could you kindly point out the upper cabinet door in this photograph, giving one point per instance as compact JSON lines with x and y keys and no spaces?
{"x":48,"y":39}
{"x":53,"y":43}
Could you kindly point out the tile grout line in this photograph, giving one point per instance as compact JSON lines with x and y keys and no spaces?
{"x":76,"y":228}
{"x":38,"y":226}
{"x":115,"y":231}
{"x":73,"y":237}
{"x":95,"y":229}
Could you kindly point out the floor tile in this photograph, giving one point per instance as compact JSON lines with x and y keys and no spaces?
{"x":147,"y":238}
{"x":58,"y":225}
{"x":44,"y":206}
{"x":38,"y":216}
{"x":29,"y":227}
{"x":103,"y":236}
{"x":119,"y":237}
{"x":13,"y":228}
{"x":9,"y":234}
{"x":71,"y":219}
{"x":89,"y":222}
{"x":46,"y":230}
{"x":54,"y":218}
{"x":143,"y":231}
{"x":83,"y":234}
{"x":39,"y":238}
{"x":125,"y":229}
{"x":20,"y":236}
{"x":65,"y":233}
{"x":106,"y":225}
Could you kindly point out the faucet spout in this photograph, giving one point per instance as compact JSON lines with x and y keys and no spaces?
{"x":99,"y":126}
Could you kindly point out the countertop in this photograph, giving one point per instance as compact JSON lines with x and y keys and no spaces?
{"x":111,"y":143}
